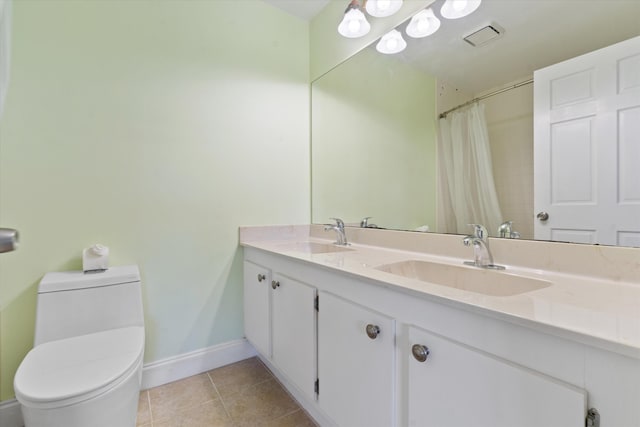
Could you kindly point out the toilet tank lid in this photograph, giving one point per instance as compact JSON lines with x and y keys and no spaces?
{"x":68,"y":280}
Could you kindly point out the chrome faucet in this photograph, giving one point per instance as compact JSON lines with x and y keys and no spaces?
{"x":338,"y":227}
{"x":506,"y":230}
{"x":365,"y":223}
{"x":481,"y":254}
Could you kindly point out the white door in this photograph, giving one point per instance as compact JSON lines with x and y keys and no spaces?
{"x":458,"y":386}
{"x":257,"y":323}
{"x":587,"y":147}
{"x":355,"y":363}
{"x":294,"y":331}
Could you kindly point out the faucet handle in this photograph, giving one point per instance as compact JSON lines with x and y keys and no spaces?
{"x":479,"y":231}
{"x":339,"y":222}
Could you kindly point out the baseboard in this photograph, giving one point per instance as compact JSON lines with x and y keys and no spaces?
{"x":196,"y":362}
{"x":10,"y":415}
{"x":162,"y":372}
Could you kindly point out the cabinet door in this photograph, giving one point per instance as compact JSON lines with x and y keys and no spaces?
{"x":460,"y":386}
{"x":294,"y":331}
{"x":256,"y":307}
{"x":356,"y":381}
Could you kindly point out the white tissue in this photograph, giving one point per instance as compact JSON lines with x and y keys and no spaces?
{"x":423,"y":228}
{"x":95,"y":258}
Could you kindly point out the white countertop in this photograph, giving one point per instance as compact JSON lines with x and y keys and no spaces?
{"x":598,"y":311}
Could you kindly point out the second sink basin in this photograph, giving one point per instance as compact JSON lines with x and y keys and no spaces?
{"x":472,"y":279}
{"x":313,"y":247}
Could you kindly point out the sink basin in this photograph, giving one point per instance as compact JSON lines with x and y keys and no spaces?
{"x":313,"y":247}
{"x":472,"y":279}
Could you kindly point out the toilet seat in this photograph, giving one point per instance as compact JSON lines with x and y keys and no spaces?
{"x":72,"y":370}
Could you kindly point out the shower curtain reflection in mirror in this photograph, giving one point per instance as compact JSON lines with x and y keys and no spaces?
{"x":467,"y":190}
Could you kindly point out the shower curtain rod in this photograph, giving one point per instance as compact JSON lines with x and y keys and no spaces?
{"x":517,"y":85}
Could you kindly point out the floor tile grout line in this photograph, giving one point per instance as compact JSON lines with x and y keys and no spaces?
{"x":149,"y":406}
{"x":224,"y":405}
{"x":185,"y":408}
{"x":288,"y":413}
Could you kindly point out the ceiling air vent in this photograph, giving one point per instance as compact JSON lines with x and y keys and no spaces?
{"x":484,"y":35}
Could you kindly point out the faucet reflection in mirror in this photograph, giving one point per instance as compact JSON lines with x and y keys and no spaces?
{"x":506,"y":231}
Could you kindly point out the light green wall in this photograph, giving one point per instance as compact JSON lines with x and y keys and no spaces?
{"x":155,"y":128}
{"x":373,"y":143}
{"x":328,"y":48}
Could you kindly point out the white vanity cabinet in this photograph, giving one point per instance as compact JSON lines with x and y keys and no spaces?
{"x":452,"y":385}
{"x":356,"y":367}
{"x":481,"y":368}
{"x":294,"y":331}
{"x":257,"y":318}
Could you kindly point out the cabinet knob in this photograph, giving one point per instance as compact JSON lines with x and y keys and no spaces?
{"x":372,"y":331}
{"x":275,"y":284}
{"x":420,"y":352}
{"x":261,"y":277}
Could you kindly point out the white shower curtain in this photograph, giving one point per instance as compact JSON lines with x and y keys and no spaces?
{"x":467,"y":190}
{"x":5,"y":46}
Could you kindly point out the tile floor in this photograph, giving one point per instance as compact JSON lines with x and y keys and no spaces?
{"x":244,"y":394}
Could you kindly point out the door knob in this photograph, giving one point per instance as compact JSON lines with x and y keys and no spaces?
{"x":275,"y":284}
{"x":372,"y":331}
{"x":420,"y":352}
{"x":542,"y":216}
{"x":261,"y":277}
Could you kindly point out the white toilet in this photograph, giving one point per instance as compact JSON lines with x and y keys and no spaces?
{"x":86,"y":366}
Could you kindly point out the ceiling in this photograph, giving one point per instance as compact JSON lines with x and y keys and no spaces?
{"x":537,"y":33}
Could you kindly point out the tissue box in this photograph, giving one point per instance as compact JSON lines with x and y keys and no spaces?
{"x":95,"y":259}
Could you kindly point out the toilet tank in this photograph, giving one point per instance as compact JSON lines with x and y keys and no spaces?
{"x":72,"y":303}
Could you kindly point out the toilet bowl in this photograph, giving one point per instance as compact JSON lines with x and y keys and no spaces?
{"x":86,"y":367}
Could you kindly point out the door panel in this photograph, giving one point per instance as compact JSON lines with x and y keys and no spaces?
{"x":257,"y":322}
{"x":294,"y":331}
{"x":355,"y":371}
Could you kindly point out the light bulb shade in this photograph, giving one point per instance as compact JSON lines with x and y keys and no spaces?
{"x":454,"y":9}
{"x":382,"y":8}
{"x":392,"y":42}
{"x":423,"y":24}
{"x":354,"y":24}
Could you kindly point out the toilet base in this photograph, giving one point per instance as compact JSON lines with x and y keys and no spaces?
{"x":116,"y":407}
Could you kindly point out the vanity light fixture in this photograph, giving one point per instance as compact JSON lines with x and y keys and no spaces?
{"x":382,"y":8}
{"x":392,"y":42}
{"x":423,"y":24}
{"x":354,"y":24}
{"x":454,"y":9}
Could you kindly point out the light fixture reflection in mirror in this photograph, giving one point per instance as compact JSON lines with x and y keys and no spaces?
{"x":354,"y":24}
{"x":454,"y":9}
{"x":382,"y":8}
{"x":391,"y":43}
{"x":423,"y":24}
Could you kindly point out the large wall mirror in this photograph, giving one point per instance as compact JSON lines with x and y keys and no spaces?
{"x":375,"y":126}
